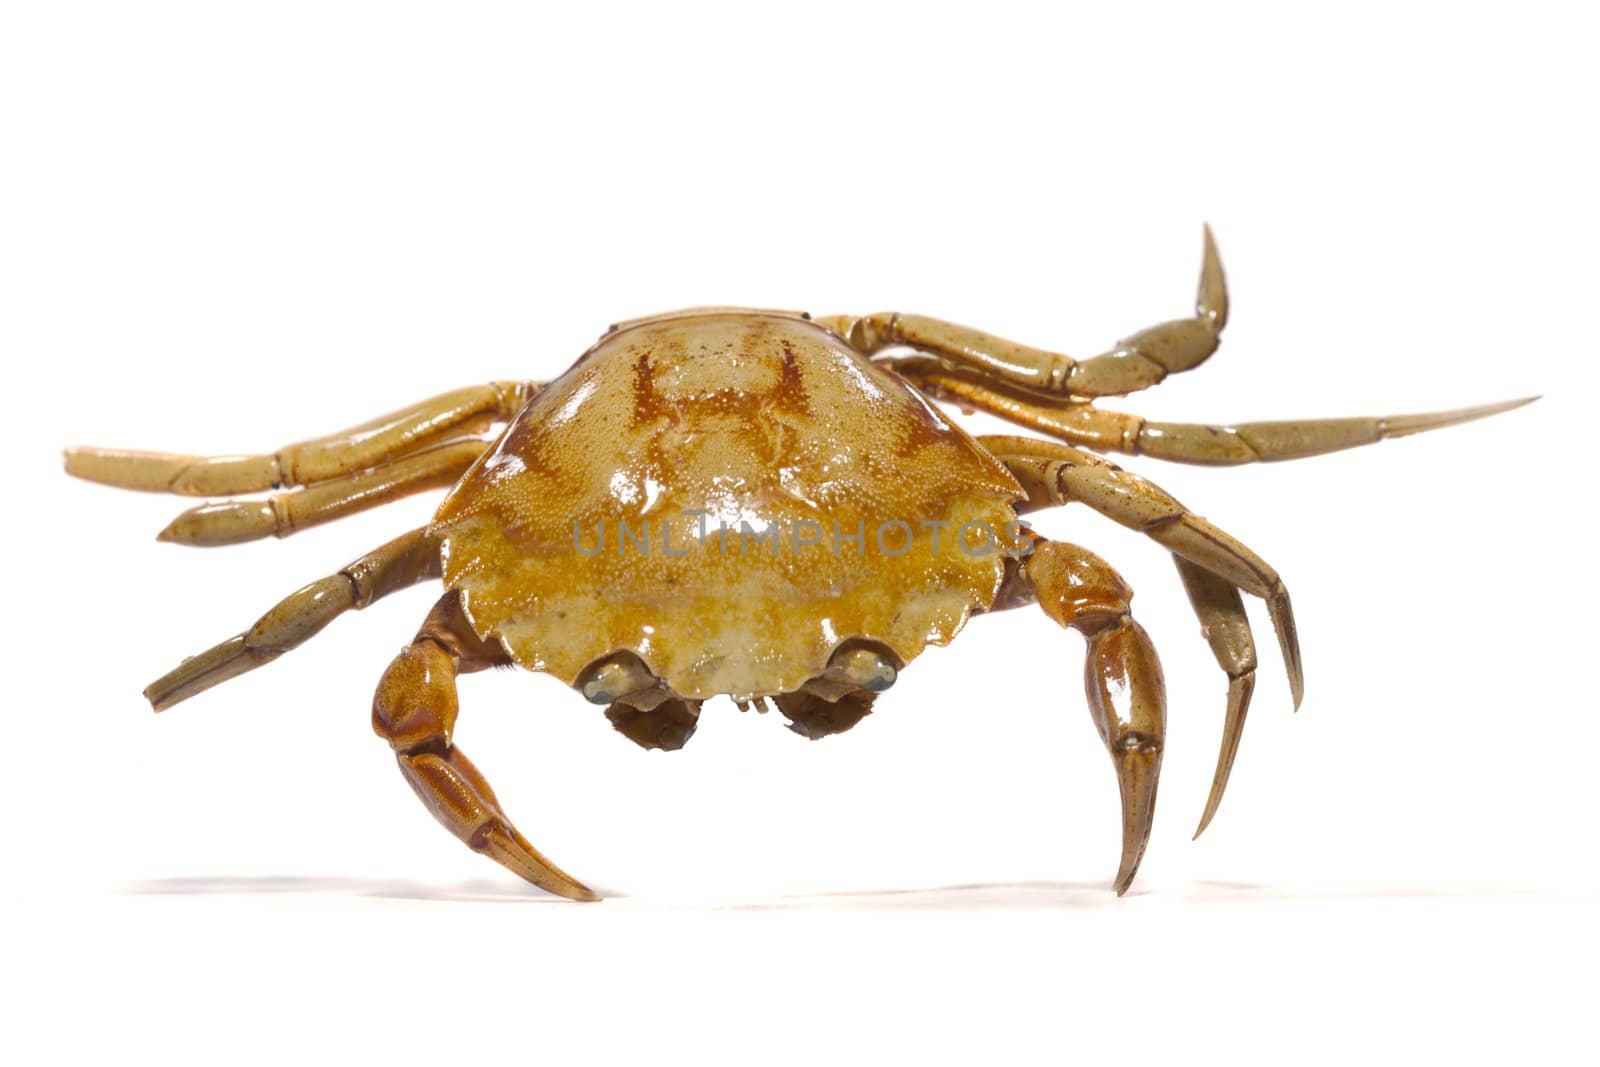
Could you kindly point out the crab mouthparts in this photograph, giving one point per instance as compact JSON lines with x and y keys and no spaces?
{"x":647,"y":711}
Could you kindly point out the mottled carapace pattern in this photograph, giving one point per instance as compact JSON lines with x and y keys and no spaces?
{"x":781,"y":495}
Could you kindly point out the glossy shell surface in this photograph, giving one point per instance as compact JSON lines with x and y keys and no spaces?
{"x":730,"y":496}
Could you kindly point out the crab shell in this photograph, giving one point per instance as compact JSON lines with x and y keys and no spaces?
{"x":730,"y":496}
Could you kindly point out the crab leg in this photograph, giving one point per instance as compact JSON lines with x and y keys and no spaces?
{"x":415,"y":711}
{"x":382,"y":440}
{"x":1135,"y":363}
{"x":1226,"y":628}
{"x":282,"y":514}
{"x":1053,"y":474}
{"x":1122,"y":677}
{"x":405,"y":561}
{"x":1087,"y":426}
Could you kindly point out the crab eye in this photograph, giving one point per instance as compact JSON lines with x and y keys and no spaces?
{"x":864,"y":666}
{"x":615,"y":676}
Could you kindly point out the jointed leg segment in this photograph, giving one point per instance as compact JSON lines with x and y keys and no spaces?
{"x":1080,"y":423}
{"x":415,"y":711}
{"x":1227,"y":630}
{"x":1137,"y":362}
{"x":425,"y":446}
{"x":382,"y":440}
{"x":1122,"y":677}
{"x":282,"y":514}
{"x":1213,"y":566}
{"x":1053,"y":474}
{"x":407,"y":560}
{"x":1053,"y":393}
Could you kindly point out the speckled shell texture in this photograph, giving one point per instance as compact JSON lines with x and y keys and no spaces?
{"x":778,"y":431}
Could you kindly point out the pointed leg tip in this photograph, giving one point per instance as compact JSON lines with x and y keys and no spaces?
{"x":563,"y":884}
{"x":164,"y":700}
{"x":571,"y":890}
{"x":505,"y":846}
{"x":1293,"y":665}
{"x":182,"y":530}
{"x":73,"y":464}
{"x":1282,"y":612}
{"x":1483,"y":411}
{"x":1405,"y":425}
{"x":1211,"y":302}
{"x":1240,"y":690}
{"x":1219,"y":786}
{"x":78,"y":462}
{"x":1125,"y":873}
{"x":225,"y":523}
{"x":1136,"y":823}
{"x":1512,"y":405}
{"x":1137,"y":775}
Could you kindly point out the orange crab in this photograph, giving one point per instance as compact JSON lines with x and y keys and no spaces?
{"x":761,"y":505}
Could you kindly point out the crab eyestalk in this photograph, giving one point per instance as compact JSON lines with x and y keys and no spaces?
{"x":863,"y":666}
{"x":615,"y":677}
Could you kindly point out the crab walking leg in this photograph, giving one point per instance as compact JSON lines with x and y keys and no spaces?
{"x":405,"y":561}
{"x":1087,"y":426}
{"x":1122,"y":677}
{"x":1053,"y":474}
{"x":1226,"y":628}
{"x":449,"y":415}
{"x":1134,"y":363}
{"x":415,"y":711}
{"x":282,"y":514}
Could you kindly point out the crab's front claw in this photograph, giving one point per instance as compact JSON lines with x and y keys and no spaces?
{"x":1127,"y":694}
{"x":460,"y":798}
{"x":1127,"y":698}
{"x":415,"y":710}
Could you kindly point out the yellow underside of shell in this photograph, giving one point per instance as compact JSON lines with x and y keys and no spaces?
{"x":736,"y":615}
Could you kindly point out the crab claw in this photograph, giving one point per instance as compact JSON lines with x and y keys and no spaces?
{"x":1138,"y":762}
{"x":1127,"y":698}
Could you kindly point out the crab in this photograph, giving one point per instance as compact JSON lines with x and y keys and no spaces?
{"x":762,"y":505}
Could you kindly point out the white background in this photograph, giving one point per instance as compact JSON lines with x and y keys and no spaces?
{"x":226,"y":227}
